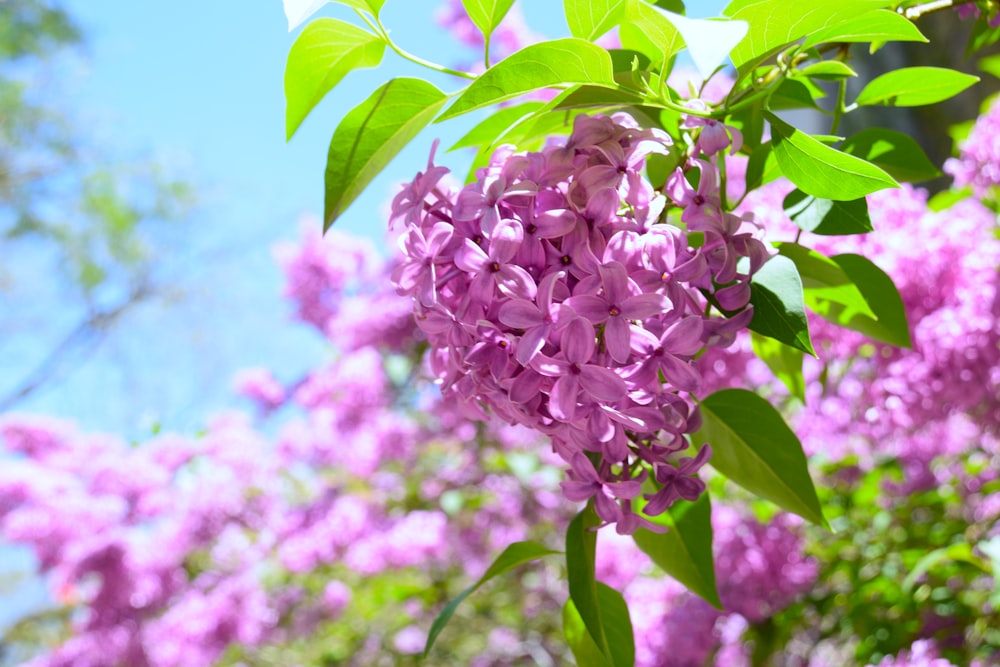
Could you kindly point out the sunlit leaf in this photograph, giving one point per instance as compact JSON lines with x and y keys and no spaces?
{"x":491,"y":127}
{"x":829,"y":291}
{"x":890,"y":325}
{"x":373,"y":133}
{"x":537,"y":66}
{"x":648,"y":31}
{"x":898,"y":154}
{"x":778,"y":307}
{"x":881,"y":25}
{"x":823,"y":171}
{"x":915,"y":86}
{"x":828,"y":70}
{"x":324,"y":53}
{"x":589,"y":19}
{"x":775,"y":24}
{"x":487,"y":14}
{"x":753,"y":446}
{"x":618,"y":626}
{"x":685,"y":551}
{"x":828,"y":217}
{"x":581,"y":546}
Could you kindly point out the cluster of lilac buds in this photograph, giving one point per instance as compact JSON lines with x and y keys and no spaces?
{"x":561,"y":291}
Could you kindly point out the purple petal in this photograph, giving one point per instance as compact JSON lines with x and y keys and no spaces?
{"x":594,"y":308}
{"x":471,"y":257}
{"x":555,"y":223}
{"x":523,"y":314}
{"x":641,"y":306}
{"x":531,"y":344}
{"x":577,"y":492}
{"x":684,"y":336}
{"x":584,"y":469}
{"x":515,"y":282}
{"x":602,"y":383}
{"x":615,"y":280}
{"x":617,"y":338}
{"x":505,"y":240}
{"x":577,"y":341}
{"x":525,"y":386}
{"x":562,"y":398}
{"x":681,"y":375}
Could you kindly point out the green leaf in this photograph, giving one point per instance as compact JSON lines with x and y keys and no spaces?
{"x":589,"y":19}
{"x":762,"y":167}
{"x":371,"y":134}
{"x":623,"y":60}
{"x":514,"y":555}
{"x":487,"y":14}
{"x":915,"y":86}
{"x":990,"y":65}
{"x":880,"y":25}
{"x":880,"y":292}
{"x":792,"y":94}
{"x":491,"y":127}
{"x":580,"y":642}
{"x":823,"y":171}
{"x":619,"y":631}
{"x":852,"y":292}
{"x":948,"y":198}
{"x":827,"y":217}
{"x":685,"y":551}
{"x":778,"y":307}
{"x":580,"y":97}
{"x":829,"y":292}
{"x":898,"y":154}
{"x":581,"y":545}
{"x":829,"y":70}
{"x":324,"y":53}
{"x":537,"y":66}
{"x":649,"y":32}
{"x":775,"y":24}
{"x":752,"y":446}
{"x":784,"y":361}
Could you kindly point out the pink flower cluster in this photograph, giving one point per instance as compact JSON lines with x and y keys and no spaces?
{"x":552,"y":293}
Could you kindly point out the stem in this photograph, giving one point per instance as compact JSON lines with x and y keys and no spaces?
{"x":381,"y":31}
{"x":915,"y":12}
{"x":486,"y":51}
{"x":838,"y":111}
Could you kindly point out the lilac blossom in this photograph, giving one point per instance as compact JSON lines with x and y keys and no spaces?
{"x":572,"y":341}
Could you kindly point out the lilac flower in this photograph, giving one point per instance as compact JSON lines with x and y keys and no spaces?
{"x":615,"y":307}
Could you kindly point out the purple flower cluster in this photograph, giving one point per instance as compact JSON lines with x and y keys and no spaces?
{"x":978,"y":162}
{"x":552,"y":293}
